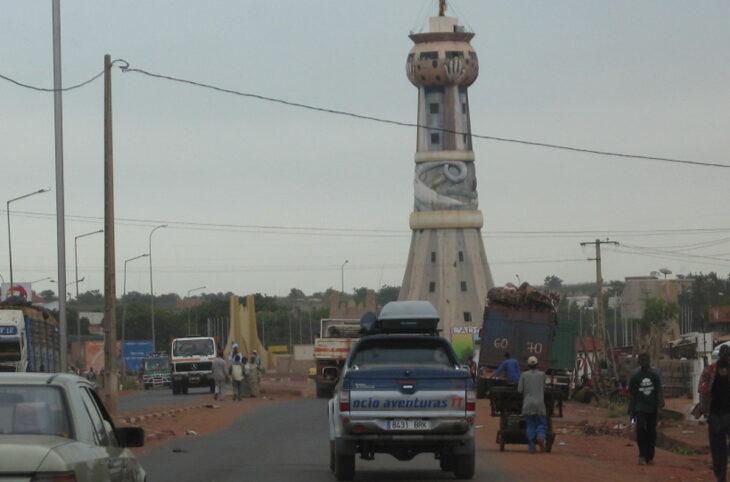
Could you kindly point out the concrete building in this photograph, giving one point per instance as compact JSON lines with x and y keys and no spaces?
{"x":447,"y":264}
{"x":640,"y":288}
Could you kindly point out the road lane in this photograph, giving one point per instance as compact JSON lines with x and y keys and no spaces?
{"x":282,"y":442}
{"x":158,"y":396}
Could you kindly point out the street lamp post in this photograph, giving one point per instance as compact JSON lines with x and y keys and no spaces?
{"x":343,"y":276}
{"x":190,"y":291}
{"x":152,"y":291}
{"x":7,"y":211}
{"x":124,"y":309}
{"x":76,"y":271}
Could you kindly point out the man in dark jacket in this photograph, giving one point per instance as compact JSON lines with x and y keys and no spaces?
{"x":645,"y":400}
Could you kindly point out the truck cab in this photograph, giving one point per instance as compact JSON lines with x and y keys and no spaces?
{"x":156,"y":371}
{"x":192,"y":363}
{"x":403,"y":392}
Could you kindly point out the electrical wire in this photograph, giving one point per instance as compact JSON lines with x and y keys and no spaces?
{"x":63,"y":89}
{"x":126,"y":69}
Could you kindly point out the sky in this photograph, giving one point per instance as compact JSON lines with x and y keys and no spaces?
{"x":295,"y":193}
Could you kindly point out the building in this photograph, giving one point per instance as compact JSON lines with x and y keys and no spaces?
{"x":447,"y":264}
{"x":640,"y":288}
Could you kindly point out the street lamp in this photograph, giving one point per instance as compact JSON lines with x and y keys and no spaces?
{"x":39,"y":280}
{"x":7,"y":211}
{"x":190,"y":291}
{"x":124,"y":309}
{"x":343,"y":276}
{"x":152,"y":291}
{"x":76,"y":257}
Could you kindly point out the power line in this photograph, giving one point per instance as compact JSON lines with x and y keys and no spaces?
{"x":64,"y":89}
{"x":126,"y":69}
{"x":372,"y":232}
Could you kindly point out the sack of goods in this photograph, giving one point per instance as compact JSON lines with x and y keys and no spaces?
{"x":237,"y":372}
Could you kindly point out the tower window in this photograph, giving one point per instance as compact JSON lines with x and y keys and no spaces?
{"x":435,"y":63}
{"x":434,"y":108}
{"x":423,"y":77}
{"x":463,"y":286}
{"x":466,"y":139}
{"x":435,"y":138}
{"x":433,"y":256}
{"x":461,"y":256}
{"x":432,"y":287}
{"x":438,"y":77}
{"x":428,"y":55}
{"x":467,"y":316}
{"x":410,"y":57}
{"x":451,"y":55}
{"x":473,"y":55}
{"x":463,"y":107}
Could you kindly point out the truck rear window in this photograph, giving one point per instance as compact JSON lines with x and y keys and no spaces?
{"x":400,"y":351}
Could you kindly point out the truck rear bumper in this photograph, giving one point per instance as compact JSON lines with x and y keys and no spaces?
{"x":402,"y":444}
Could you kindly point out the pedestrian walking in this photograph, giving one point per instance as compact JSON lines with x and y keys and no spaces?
{"x":255,"y":374}
{"x":220,"y":375}
{"x":645,"y":400}
{"x":236,"y":371}
{"x":714,"y":389}
{"x":532,"y":387}
{"x":510,"y":368}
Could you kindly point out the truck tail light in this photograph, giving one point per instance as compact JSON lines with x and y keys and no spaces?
{"x":345,"y":401}
{"x":471,"y":400}
{"x":54,"y":477}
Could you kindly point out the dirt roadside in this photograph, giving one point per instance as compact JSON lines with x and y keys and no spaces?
{"x":588,"y":446}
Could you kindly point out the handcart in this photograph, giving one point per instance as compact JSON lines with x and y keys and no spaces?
{"x":506,"y":403}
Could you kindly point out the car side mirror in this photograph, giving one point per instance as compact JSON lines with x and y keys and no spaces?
{"x":130,"y":436}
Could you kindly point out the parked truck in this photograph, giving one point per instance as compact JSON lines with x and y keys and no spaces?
{"x":519,"y":321}
{"x":192,"y":363}
{"x":29,"y":338}
{"x":331,"y":347}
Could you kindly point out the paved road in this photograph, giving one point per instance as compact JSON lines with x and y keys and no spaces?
{"x":282,"y":442}
{"x":158,"y":396}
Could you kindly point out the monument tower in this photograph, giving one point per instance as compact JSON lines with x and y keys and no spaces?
{"x":447,"y":264}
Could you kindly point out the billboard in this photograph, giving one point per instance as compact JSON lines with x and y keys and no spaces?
{"x":19,"y":289}
{"x":135,"y":351}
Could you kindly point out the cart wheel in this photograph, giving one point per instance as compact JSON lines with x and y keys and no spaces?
{"x":500,"y":440}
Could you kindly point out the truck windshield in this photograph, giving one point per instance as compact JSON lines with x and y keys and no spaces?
{"x":10,"y":350}
{"x":399,"y":352}
{"x":158,"y":364}
{"x":193,"y":347}
{"x":35,"y":409}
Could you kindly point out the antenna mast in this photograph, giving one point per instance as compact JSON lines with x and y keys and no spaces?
{"x":442,"y":8}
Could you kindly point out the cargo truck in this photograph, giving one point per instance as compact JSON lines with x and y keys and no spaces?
{"x":331,"y":347}
{"x":519,"y":321}
{"x":29,"y":338}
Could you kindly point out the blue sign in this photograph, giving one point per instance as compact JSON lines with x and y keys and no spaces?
{"x":135,"y":351}
{"x":8,"y":330}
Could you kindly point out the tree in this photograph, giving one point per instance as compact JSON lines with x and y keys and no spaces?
{"x":388,"y":293}
{"x":48,"y":295}
{"x":657,"y":312}
{"x":296,"y":294}
{"x":554,"y":283}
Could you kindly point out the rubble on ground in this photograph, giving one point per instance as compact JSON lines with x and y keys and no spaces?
{"x":524,"y":297}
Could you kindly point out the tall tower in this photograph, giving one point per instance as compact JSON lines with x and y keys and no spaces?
{"x":447,"y":264}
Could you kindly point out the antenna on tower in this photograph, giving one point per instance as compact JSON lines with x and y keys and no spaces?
{"x":442,"y":8}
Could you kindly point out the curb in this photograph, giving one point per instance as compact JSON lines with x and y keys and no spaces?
{"x":159,"y":414}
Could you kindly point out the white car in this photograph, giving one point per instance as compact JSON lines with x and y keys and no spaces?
{"x":54,"y":427}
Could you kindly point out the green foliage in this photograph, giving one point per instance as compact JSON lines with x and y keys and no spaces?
{"x":387,"y":294}
{"x":616,"y":410}
{"x":680,"y":450}
{"x":657,"y":312}
{"x":296,"y":294}
{"x":554,"y":283}
{"x":48,"y":295}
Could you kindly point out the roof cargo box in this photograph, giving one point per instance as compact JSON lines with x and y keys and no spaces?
{"x":408,"y":317}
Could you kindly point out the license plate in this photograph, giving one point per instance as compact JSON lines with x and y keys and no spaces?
{"x":409,"y":425}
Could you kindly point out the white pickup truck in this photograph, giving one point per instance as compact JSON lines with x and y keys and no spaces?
{"x":402,"y":392}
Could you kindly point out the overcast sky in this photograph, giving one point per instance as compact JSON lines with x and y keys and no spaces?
{"x":644,"y":77}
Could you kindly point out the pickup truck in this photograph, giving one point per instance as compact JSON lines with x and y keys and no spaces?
{"x":403,"y":392}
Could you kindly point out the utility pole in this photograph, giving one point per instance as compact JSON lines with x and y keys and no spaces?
{"x":601,"y":317}
{"x":60,"y":203}
{"x":111,"y":384}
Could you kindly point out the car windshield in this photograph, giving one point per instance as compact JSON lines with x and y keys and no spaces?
{"x":157,"y":364}
{"x":193,"y":347}
{"x":399,"y":351}
{"x":33,"y":409}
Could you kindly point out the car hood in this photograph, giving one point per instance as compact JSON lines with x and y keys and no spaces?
{"x":24,"y":453}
